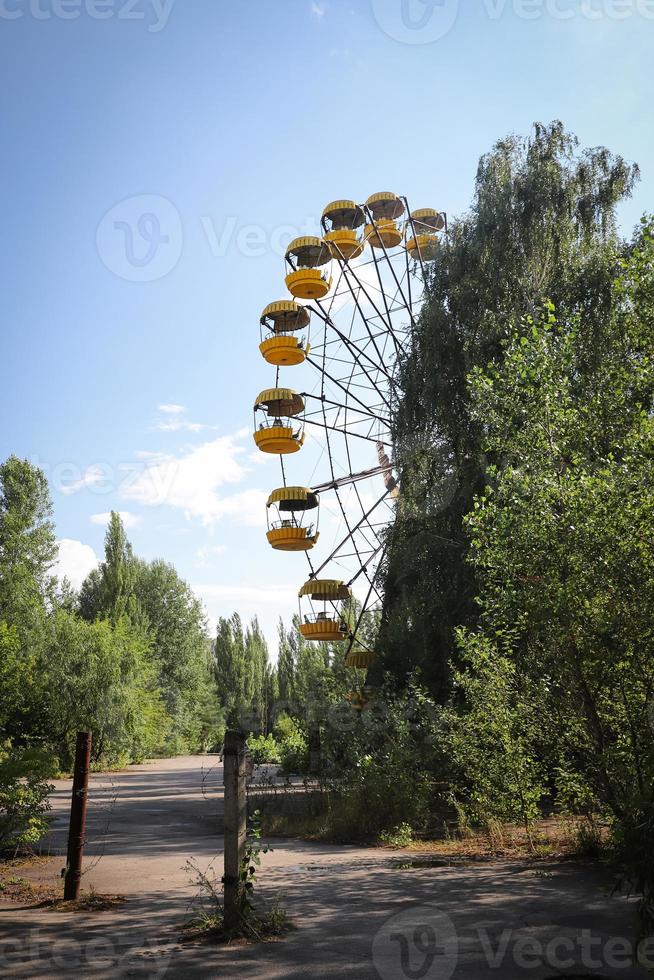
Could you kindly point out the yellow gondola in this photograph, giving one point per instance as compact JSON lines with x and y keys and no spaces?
{"x":341,"y":219}
{"x":288,"y":533}
{"x":384,"y":231}
{"x":305,"y":256}
{"x":327,"y":623}
{"x":359,"y":658}
{"x":422,"y":233}
{"x":279,"y":436}
{"x":282,"y":320}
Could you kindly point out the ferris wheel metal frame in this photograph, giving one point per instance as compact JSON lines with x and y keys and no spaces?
{"x":366,"y":307}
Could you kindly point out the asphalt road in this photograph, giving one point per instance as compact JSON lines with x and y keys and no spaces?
{"x":357,"y":913}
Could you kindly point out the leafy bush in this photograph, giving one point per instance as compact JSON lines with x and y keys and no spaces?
{"x":495,"y":775}
{"x":294,"y":752}
{"x":24,"y":790}
{"x":285,"y":727}
{"x":381,"y":766}
{"x":264,"y":748}
{"x":401,"y":836}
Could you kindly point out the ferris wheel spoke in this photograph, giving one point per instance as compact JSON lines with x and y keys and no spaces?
{"x":365,"y":319}
{"x":339,"y":384}
{"x":390,"y":266}
{"x":356,"y":435}
{"x":360,"y":411}
{"x":360,"y":352}
{"x":388,"y":321}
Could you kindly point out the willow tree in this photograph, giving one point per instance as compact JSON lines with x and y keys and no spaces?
{"x":542,"y":227}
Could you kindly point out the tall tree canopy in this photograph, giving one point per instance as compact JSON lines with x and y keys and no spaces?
{"x":27,"y":542}
{"x":542,"y":227}
{"x":160,"y":607}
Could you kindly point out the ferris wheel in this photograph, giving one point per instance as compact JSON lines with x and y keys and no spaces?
{"x":355,"y":292}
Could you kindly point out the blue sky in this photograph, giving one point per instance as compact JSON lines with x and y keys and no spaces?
{"x":234,"y":124}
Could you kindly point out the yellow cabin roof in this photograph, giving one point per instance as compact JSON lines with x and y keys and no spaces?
{"x":309,"y":250}
{"x":287,"y":310}
{"x":360,"y":658}
{"x":385,"y":204}
{"x":326,"y":588}
{"x":428,"y":216}
{"x":336,"y":209}
{"x":301,"y":495}
{"x":276,"y":398}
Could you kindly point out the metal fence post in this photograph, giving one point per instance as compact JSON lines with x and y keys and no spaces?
{"x":77,"y":827}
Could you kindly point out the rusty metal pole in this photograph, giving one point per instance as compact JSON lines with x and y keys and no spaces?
{"x":77,"y":827}
{"x":235,"y":824}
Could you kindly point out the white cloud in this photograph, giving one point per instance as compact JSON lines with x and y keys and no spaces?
{"x":150,"y":457}
{"x":75,"y":561}
{"x":179,"y":425}
{"x":126,"y":516}
{"x":318,"y":9}
{"x":204,"y":557}
{"x":173,"y":422}
{"x":91,"y":477}
{"x":249,"y":595}
{"x":191,"y":479}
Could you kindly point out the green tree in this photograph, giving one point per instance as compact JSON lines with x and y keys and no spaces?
{"x":245,"y":679}
{"x":541,"y":226}
{"x":101,"y":677}
{"x":108,"y":592}
{"x":561,"y":543}
{"x":180,"y":649}
{"x":230,"y":667}
{"x":286,"y":662}
{"x":27,"y":543}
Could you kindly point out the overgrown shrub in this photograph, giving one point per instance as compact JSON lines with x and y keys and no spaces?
{"x":24,"y":790}
{"x":294,"y":752}
{"x":264,"y":748}
{"x":382,"y":765}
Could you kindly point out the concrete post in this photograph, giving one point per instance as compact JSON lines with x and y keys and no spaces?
{"x":235,"y":823}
